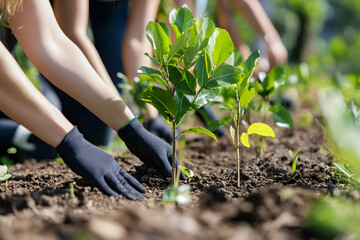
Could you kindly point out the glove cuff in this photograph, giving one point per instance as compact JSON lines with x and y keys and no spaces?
{"x":70,"y":142}
{"x":133,"y":126}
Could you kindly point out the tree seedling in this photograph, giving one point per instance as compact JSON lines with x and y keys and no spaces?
{"x":295,"y":160}
{"x":198,"y":46}
{"x":241,"y":94}
{"x":4,"y":176}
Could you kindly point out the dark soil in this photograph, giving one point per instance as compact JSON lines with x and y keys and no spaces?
{"x":270,"y":204}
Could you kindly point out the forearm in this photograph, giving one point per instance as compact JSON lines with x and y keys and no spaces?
{"x":21,"y":101}
{"x":73,"y":17}
{"x":254,"y":13}
{"x":62,"y":62}
{"x":135,"y":43}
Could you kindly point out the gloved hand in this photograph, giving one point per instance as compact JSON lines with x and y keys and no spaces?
{"x":159,"y":128}
{"x":148,"y":147}
{"x":97,"y":167}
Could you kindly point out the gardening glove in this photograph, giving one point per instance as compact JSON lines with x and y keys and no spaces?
{"x":148,"y":147}
{"x":157,"y":127}
{"x":97,"y":167}
{"x":206,"y":115}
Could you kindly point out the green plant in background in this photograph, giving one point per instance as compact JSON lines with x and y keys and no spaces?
{"x":4,"y":175}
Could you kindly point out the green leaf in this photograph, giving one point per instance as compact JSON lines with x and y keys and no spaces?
{"x":295,"y":159}
{"x":3,"y":170}
{"x":182,"y":18}
{"x":246,"y":97}
{"x":188,"y":172}
{"x":154,"y":74}
{"x":224,"y":75}
{"x":178,"y":194}
{"x":232,"y":133}
{"x":261,"y":129}
{"x":236,"y":59}
{"x":201,"y":71}
{"x":281,"y":116}
{"x":180,"y":43}
{"x":185,"y":83}
{"x":5,"y":177}
{"x":159,"y":40}
{"x":250,"y":65}
{"x":245,"y":139}
{"x":152,"y":59}
{"x":166,"y":29}
{"x":198,"y":130}
{"x":274,"y":79}
{"x":343,"y":169}
{"x":162,"y":100}
{"x":193,"y":53}
{"x":206,"y":96}
{"x":223,"y":47}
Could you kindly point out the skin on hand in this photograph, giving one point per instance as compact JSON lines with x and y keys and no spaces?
{"x":63,"y":63}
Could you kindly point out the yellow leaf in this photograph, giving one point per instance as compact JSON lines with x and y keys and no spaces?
{"x":232,"y":133}
{"x":245,"y":139}
{"x":261,"y":129}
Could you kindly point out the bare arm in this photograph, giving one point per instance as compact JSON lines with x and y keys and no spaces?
{"x":256,"y":16}
{"x":21,"y":101}
{"x":63,"y":63}
{"x":73,"y":17}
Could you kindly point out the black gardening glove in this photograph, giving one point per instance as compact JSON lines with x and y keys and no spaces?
{"x":148,"y":147}
{"x":158,"y":127}
{"x":97,"y":166}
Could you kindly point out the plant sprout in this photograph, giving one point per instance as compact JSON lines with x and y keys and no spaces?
{"x":4,"y":176}
{"x":295,"y":159}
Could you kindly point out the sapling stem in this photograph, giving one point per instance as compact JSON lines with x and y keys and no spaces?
{"x":174,"y":171}
{"x":237,"y":125}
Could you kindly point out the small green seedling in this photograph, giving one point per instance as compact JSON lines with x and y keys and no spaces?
{"x":200,"y":46}
{"x":295,"y":160}
{"x":188,"y":172}
{"x":4,"y":176}
{"x":177,"y":194}
{"x":71,"y":189}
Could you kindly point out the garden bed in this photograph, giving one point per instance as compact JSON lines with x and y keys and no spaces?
{"x":270,"y":204}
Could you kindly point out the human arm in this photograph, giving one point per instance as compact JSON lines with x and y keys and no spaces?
{"x":21,"y":101}
{"x":256,"y":16}
{"x":72,"y":17}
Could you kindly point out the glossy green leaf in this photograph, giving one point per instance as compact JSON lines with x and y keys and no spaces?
{"x":343,"y":169}
{"x":295,"y":159}
{"x":182,"y":18}
{"x":188,"y":172}
{"x":154,"y":74}
{"x":246,"y":97}
{"x":250,"y":65}
{"x":232,"y":133}
{"x":159,"y":40}
{"x":206,"y":96}
{"x":224,"y":75}
{"x":178,"y":47}
{"x":185,"y":83}
{"x":3,"y":170}
{"x":281,"y":116}
{"x":180,"y":117}
{"x":198,"y":130}
{"x":261,"y":129}
{"x":236,"y":59}
{"x":162,"y":99}
{"x":245,"y":139}
{"x":166,"y":29}
{"x":201,"y":71}
{"x":223,"y":47}
{"x":152,"y":59}
{"x":194,"y":52}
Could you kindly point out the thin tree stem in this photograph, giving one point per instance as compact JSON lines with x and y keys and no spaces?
{"x":174,"y":171}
